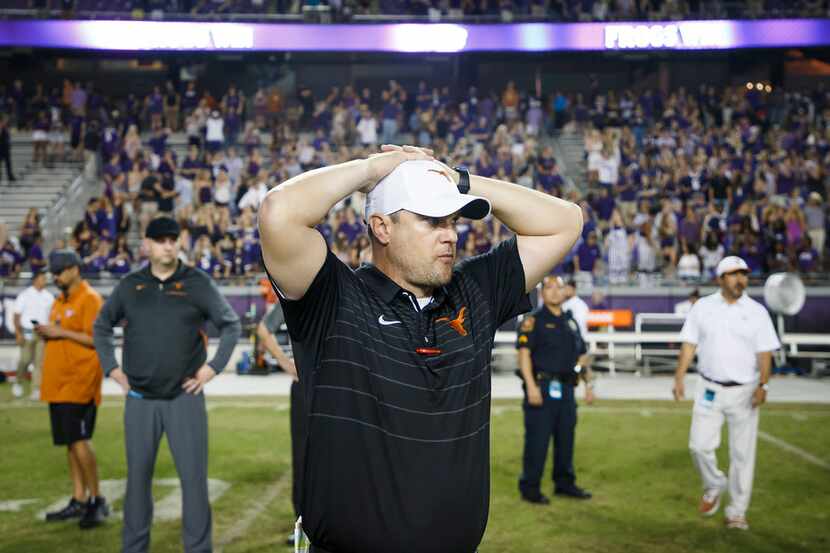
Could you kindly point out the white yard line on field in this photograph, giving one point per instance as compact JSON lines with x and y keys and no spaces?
{"x":652,"y":411}
{"x":807,"y":456}
{"x":256,"y":508}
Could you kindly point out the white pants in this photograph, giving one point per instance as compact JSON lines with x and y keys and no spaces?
{"x":734,"y":404}
{"x":817,"y":236}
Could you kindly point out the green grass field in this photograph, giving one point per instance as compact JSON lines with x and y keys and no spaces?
{"x":631,"y":455}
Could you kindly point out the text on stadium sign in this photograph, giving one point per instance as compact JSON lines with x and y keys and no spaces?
{"x":680,"y":36}
{"x":215,"y":37}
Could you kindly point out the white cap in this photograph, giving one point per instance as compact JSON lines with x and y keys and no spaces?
{"x":425,"y":188}
{"x":731,"y":264}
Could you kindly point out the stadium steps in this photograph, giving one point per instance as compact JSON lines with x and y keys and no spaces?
{"x":570,"y":148}
{"x":36,"y":186}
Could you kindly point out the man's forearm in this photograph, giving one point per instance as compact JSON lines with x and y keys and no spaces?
{"x":687,"y":353}
{"x":587,"y":374}
{"x":228,"y":337}
{"x":546,"y":227}
{"x":764,"y":365}
{"x":525,"y":211}
{"x":307,"y":198}
{"x":273,"y":347}
{"x":526,"y":367}
{"x":79,"y":337}
{"x":102,"y":339}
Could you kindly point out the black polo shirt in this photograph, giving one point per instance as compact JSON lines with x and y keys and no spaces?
{"x":554,"y":341}
{"x":398,"y":450}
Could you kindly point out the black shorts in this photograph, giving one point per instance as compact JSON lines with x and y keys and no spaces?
{"x":72,"y":422}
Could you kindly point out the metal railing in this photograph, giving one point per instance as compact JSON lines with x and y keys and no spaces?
{"x":62,"y":216}
{"x":606,"y":344}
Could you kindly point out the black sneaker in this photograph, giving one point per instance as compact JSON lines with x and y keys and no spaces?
{"x":75,"y":509}
{"x":97,"y":511}
{"x":537,"y":498}
{"x":573,"y":491}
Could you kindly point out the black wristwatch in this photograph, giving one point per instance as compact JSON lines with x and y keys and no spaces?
{"x":463,"y":178}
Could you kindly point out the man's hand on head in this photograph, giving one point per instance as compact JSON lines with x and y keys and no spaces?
{"x":407,"y":149}
{"x":381,"y":164}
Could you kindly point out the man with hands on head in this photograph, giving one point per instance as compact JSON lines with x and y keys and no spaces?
{"x":394,"y":358}
{"x":734,"y":340}
{"x":164,"y":306}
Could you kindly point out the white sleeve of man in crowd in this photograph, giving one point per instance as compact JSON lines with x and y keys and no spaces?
{"x":18,"y":302}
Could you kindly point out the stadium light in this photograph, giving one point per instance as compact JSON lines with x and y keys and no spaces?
{"x":749,"y":86}
{"x":768,"y":88}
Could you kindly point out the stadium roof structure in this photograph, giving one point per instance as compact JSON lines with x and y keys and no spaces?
{"x":414,"y":37}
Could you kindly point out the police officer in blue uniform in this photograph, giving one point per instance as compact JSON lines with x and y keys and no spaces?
{"x":549,"y":345}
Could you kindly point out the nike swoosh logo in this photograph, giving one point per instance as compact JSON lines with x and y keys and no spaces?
{"x":384,"y":322}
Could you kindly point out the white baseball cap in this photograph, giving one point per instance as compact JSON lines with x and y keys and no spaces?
{"x":730,"y":264}
{"x":425,"y":188}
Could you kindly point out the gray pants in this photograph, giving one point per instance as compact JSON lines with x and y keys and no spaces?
{"x":184,"y":420}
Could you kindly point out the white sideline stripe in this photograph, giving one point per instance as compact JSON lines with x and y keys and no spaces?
{"x":274,"y":405}
{"x":496,"y":410}
{"x":15,"y":505}
{"x":809,"y":457}
{"x":651,"y":411}
{"x":166,"y":509}
{"x":257,"y":507}
{"x":170,"y":507}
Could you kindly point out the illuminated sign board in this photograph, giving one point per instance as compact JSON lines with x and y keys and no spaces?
{"x":415,"y":38}
{"x":694,"y":35}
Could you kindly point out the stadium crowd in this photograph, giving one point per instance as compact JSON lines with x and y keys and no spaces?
{"x":675,"y":181}
{"x":504,"y":10}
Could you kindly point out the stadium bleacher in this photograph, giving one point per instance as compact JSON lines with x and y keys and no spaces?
{"x":715,"y":167}
{"x":679,"y":153}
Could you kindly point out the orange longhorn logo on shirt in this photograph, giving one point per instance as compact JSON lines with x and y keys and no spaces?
{"x":457,"y":324}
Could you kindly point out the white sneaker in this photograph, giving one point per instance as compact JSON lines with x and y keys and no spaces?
{"x":737,"y":523}
{"x":17,"y":390}
{"x":709,"y":503}
{"x":35,"y":395}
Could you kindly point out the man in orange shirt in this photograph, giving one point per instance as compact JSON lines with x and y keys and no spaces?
{"x":72,"y":385}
